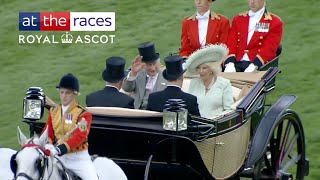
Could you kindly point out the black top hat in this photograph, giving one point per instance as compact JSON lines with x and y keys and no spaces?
{"x":69,"y":81}
{"x":173,"y":68}
{"x":114,"y":71}
{"x":148,"y":52}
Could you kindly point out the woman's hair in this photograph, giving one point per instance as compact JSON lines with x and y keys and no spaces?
{"x":214,"y":67}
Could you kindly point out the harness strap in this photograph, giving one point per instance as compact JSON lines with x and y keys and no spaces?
{"x":66,"y":172}
{"x":40,"y":149}
{"x":45,"y":151}
{"x":24,"y":175}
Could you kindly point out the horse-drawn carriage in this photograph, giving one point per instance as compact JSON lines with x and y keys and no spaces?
{"x":254,"y":140}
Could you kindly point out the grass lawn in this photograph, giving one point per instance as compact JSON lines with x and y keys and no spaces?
{"x":42,"y":65}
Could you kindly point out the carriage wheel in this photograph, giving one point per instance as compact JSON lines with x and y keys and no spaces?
{"x":285,"y":154}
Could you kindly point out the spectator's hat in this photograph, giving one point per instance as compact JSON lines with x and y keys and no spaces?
{"x":211,"y":54}
{"x":148,"y":52}
{"x":114,"y":71}
{"x":173,"y":68}
{"x":69,"y":81}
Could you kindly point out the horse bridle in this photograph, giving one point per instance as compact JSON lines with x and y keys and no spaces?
{"x":43,"y":164}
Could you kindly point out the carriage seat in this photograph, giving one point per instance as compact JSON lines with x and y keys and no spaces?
{"x":237,"y":94}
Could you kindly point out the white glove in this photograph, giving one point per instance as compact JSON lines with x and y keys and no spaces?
{"x":53,"y":150}
{"x":230,"y":67}
{"x":184,"y":65}
{"x":251,"y":68}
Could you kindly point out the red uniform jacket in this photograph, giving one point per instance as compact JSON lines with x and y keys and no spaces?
{"x":58,"y":127}
{"x":262,"y":46}
{"x":218,"y":29}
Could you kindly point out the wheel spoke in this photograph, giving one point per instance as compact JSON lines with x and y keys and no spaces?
{"x":284,"y":142}
{"x":289,"y":148}
{"x":291,"y":162}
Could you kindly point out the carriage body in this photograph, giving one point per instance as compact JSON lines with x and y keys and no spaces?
{"x":252,"y":141}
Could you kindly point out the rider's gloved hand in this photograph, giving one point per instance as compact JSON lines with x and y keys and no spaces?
{"x":251,"y":68}
{"x":230,"y":67}
{"x":53,"y":150}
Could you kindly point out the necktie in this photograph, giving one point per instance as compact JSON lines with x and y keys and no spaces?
{"x":149,"y":85}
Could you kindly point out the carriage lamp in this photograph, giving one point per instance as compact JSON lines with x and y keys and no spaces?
{"x":33,"y":103}
{"x":175,"y":115}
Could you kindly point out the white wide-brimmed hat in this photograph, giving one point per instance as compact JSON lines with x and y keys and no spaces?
{"x":208,"y":54}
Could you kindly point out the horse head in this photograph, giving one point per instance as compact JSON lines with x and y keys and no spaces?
{"x":32,"y":160}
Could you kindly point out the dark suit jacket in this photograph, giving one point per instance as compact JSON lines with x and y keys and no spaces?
{"x":109,"y":97}
{"x":157,"y":100}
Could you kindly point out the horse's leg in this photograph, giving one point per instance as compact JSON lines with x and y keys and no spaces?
{"x":109,"y":170}
{"x":5,"y":170}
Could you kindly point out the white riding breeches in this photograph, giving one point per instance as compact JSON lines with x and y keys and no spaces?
{"x":80,"y":163}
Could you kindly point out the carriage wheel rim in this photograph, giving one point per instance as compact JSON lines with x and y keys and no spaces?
{"x":285,"y":151}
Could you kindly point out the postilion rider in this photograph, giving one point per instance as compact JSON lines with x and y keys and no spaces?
{"x":68,"y":117}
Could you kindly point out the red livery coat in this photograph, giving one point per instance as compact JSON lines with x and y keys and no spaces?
{"x":262,"y":46}
{"x":58,"y":127}
{"x":218,"y":29}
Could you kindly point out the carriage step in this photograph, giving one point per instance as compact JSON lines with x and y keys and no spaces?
{"x":248,"y":172}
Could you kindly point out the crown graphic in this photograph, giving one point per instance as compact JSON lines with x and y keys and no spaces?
{"x":66,"y":38}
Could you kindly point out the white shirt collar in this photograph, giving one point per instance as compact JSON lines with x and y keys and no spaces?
{"x":153,"y":77}
{"x":108,"y":85}
{"x":174,"y":86}
{"x":64,"y":108}
{"x":258,"y":13}
{"x":205,"y":16}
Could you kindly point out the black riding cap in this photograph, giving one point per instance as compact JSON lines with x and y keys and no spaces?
{"x":69,"y":81}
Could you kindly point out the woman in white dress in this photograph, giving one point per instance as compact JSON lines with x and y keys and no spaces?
{"x":214,"y":93}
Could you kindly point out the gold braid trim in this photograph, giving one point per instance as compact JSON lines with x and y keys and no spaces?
{"x":214,"y":15}
{"x":245,"y":13}
{"x":192,"y":17}
{"x":267,"y":16}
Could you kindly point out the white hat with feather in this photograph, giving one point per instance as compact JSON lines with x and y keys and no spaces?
{"x":213,"y":54}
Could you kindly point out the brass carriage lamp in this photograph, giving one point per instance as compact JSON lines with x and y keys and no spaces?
{"x":175,"y":115}
{"x":33,"y":103}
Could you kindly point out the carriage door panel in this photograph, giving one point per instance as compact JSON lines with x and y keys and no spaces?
{"x":230,"y":151}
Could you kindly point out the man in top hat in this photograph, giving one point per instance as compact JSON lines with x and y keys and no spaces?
{"x":145,"y":76}
{"x":72,"y":149}
{"x":174,"y":75}
{"x":253,"y":39}
{"x":110,"y":95}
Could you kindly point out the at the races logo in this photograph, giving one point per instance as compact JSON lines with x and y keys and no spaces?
{"x":66,"y":38}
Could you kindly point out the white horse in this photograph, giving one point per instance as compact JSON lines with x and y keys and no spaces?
{"x":5,"y":171}
{"x":32,"y":162}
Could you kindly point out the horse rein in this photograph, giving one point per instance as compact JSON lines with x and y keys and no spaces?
{"x":44,"y":154}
